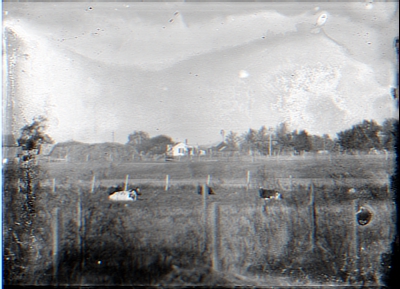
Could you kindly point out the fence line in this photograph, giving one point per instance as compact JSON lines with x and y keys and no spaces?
{"x":283,"y":183}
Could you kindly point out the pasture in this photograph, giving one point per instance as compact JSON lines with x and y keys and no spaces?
{"x":178,"y":237}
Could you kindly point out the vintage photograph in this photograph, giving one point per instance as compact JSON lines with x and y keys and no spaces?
{"x":174,"y":144}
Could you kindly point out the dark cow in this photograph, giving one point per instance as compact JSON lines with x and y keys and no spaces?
{"x":199,"y":190}
{"x":269,"y":194}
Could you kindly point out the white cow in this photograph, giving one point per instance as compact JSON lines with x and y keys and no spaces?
{"x":130,"y":195}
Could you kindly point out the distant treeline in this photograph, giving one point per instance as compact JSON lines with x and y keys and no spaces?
{"x":364,"y":137}
{"x":361,"y":137}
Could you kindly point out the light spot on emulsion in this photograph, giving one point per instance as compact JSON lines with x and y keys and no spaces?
{"x":243,"y":74}
{"x":165,"y":88}
{"x":322,"y":19}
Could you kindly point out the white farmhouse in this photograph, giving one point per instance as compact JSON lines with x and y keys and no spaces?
{"x":181,"y":149}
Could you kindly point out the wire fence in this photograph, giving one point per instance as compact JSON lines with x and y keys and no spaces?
{"x":237,"y":236}
{"x":283,"y":183}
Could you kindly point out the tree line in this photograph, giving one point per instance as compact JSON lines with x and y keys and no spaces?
{"x":361,"y":137}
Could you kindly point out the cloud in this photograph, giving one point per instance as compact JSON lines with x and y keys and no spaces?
{"x":156,"y":42}
{"x":104,"y":70}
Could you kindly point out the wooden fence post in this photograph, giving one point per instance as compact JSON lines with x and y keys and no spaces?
{"x":54,"y":185}
{"x":205,"y":191}
{"x":215,"y":236}
{"x":83,"y":234}
{"x":356,"y":240}
{"x":79,"y":226}
{"x":93,"y":183}
{"x":166,"y":182}
{"x":126,"y":182}
{"x":291,"y":182}
{"x":313,"y":214}
{"x":209,"y":180}
{"x":79,"y":218}
{"x":55,"y":244}
{"x":248,"y":180}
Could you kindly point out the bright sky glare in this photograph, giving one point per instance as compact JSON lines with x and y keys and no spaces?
{"x":189,"y":70}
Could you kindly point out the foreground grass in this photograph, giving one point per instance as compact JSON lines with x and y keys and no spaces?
{"x":144,"y":242}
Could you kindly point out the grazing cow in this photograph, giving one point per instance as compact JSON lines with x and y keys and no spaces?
{"x":363,"y":216}
{"x":199,"y":190}
{"x":269,"y":194}
{"x":119,"y":188}
{"x":130,"y":195}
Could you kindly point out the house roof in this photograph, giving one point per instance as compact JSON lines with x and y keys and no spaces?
{"x":223,"y":146}
{"x":182,"y":143}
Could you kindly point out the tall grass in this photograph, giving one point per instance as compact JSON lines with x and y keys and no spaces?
{"x":276,"y":240}
{"x":141,"y":242}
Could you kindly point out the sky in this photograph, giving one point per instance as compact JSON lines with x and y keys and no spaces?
{"x":190,"y":70}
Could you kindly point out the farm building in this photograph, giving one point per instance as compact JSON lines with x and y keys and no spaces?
{"x":182,"y":149}
{"x":222,"y":148}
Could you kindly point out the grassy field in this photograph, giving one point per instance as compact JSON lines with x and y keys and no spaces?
{"x":367,"y":169}
{"x":171,"y":237}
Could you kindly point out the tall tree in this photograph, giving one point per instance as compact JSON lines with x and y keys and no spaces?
{"x":262,"y":141}
{"x":137,"y":138}
{"x":33,"y":136}
{"x":361,"y":137}
{"x":301,"y":141}
{"x":232,"y":140}
{"x":284,"y":138}
{"x":157,"y":145}
{"x":328,"y":142}
{"x":248,"y":141}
